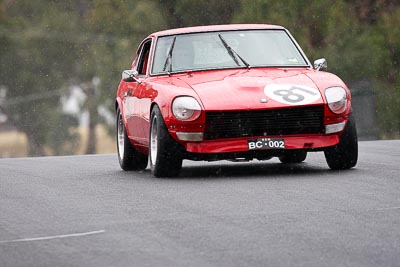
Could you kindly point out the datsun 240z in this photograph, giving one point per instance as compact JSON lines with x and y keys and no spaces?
{"x":230,"y":92}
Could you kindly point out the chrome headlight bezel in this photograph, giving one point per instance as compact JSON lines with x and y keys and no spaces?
{"x":186,"y":108}
{"x":336,"y":98}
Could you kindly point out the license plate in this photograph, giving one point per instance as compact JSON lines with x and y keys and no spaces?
{"x":266,"y":143}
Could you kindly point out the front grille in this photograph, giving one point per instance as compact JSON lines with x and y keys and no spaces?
{"x":286,"y":121}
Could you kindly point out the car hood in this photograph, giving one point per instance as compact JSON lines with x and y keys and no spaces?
{"x":254,"y":89}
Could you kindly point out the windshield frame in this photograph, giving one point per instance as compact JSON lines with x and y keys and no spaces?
{"x":291,"y":38}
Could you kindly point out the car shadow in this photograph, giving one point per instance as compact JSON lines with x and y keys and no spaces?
{"x":245,"y":170}
{"x":260,"y":169}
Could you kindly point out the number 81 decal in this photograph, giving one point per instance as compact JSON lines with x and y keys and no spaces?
{"x":292,"y":94}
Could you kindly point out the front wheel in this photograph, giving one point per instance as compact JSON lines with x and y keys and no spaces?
{"x":165,"y":155}
{"x":129,"y":158}
{"x":344,"y":155}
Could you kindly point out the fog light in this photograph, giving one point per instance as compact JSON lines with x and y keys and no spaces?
{"x":196,"y":136}
{"x":334,"y":128}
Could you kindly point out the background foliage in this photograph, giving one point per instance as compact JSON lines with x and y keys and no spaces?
{"x":49,"y":47}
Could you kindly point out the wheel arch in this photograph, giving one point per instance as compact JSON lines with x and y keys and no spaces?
{"x":155,"y":104}
{"x":118,"y":104}
{"x":165,"y":114}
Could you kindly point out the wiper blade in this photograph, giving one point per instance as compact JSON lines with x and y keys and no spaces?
{"x":232,"y":52}
{"x":168,"y":60}
{"x":229,"y":49}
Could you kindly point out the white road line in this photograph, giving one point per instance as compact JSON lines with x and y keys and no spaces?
{"x":52,"y":237}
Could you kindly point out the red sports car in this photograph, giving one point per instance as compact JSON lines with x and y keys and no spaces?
{"x":237,"y":92}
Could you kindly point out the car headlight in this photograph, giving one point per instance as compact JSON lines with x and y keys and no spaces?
{"x":186,"y":108}
{"x":337,"y":99}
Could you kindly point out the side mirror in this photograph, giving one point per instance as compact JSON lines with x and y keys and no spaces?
{"x":320,"y":64}
{"x":130,"y":76}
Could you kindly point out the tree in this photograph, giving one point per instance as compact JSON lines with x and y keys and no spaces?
{"x":183,"y":13}
{"x":112,"y":48}
{"x":36,"y":61}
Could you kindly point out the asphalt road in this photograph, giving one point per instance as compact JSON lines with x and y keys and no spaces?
{"x":85,"y":211}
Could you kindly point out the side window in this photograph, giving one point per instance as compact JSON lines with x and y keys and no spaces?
{"x":144,"y":58}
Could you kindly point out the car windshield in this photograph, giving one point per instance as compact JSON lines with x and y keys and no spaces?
{"x":226,"y":49}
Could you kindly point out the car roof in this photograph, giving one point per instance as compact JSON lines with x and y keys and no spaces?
{"x":212,"y":28}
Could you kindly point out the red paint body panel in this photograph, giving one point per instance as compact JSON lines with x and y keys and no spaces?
{"x":242,"y":89}
{"x":216,"y":28}
{"x":239,"y":89}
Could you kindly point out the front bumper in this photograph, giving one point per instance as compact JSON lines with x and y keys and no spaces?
{"x":309,"y":142}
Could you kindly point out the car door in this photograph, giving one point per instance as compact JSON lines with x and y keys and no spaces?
{"x":135,"y":100}
{"x":131,"y":96}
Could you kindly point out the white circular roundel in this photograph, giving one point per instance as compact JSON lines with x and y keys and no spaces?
{"x":292,"y":94}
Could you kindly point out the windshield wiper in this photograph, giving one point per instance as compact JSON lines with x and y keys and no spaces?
{"x":169,"y":57}
{"x":232,"y":52}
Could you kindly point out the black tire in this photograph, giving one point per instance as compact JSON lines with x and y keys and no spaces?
{"x":129,"y":158}
{"x":345,"y":154}
{"x":293,"y":156}
{"x":164,"y":152}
